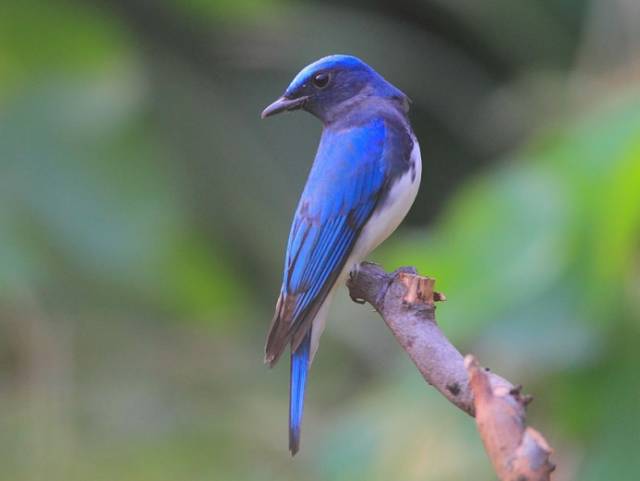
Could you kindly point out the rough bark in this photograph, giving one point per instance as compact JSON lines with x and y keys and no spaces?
{"x":406,"y":302}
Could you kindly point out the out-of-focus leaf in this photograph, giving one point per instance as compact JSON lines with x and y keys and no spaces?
{"x":201,"y":284}
{"x":38,"y":37}
{"x":86,"y":190}
{"x":240,"y":11}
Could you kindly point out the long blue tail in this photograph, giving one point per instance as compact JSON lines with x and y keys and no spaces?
{"x":299,"y":369}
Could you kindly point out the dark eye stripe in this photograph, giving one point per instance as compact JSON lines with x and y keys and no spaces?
{"x":321,"y":80}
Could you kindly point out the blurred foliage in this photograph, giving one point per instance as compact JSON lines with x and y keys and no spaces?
{"x":144,"y":208}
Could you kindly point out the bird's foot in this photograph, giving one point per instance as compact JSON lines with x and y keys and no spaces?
{"x":357,"y":300}
{"x":352,"y":277}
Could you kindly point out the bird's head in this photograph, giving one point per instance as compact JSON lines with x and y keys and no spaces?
{"x":332,"y":85}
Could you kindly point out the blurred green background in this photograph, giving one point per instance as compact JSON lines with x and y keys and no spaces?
{"x":144,"y":209}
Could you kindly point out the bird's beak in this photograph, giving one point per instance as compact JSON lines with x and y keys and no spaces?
{"x":283,"y":104}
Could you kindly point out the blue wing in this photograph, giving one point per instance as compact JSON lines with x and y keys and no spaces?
{"x":345,"y":183}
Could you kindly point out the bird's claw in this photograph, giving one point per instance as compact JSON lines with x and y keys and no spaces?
{"x":357,"y":300}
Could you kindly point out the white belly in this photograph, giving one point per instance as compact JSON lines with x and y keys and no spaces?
{"x":380,"y":226}
{"x":384,"y":221}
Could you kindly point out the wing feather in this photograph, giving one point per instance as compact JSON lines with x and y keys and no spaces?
{"x":344,"y":186}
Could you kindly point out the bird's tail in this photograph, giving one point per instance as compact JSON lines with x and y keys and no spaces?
{"x":299,"y":370}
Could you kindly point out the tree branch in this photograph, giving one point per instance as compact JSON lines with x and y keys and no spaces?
{"x":405,"y":301}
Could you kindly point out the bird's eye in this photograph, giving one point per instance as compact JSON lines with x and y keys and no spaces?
{"x":321,"y":80}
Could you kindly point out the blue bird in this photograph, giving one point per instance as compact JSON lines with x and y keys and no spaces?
{"x":363,"y":181}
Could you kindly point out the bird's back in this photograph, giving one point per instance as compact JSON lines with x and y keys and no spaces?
{"x":359,"y":161}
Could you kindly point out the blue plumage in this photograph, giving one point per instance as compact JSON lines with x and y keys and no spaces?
{"x":299,"y":370}
{"x":364,"y":178}
{"x":337,"y":200}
